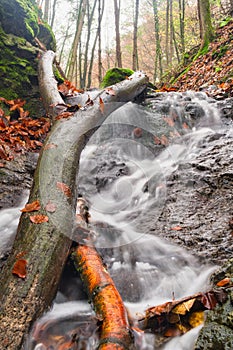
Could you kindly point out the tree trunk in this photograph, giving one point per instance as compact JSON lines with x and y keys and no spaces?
{"x":117,"y":4}
{"x":182,"y":24}
{"x":158,"y":55}
{"x":79,"y":26}
{"x":167,"y":33}
{"x":206,"y":29}
{"x":46,"y":10}
{"x":135,"y":37}
{"x":45,"y":246}
{"x":90,"y":16}
{"x":100,"y":12}
{"x":53,"y":13}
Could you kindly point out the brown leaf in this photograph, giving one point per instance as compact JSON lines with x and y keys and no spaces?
{"x":64,"y":188}
{"x":185,"y":126}
{"x":39,"y":219}
{"x":64,"y":115}
{"x":101,"y":105}
{"x":50,"y":207}
{"x":209,"y":300}
{"x":19,"y":268}
{"x":34,"y":206}
{"x":157,"y":140}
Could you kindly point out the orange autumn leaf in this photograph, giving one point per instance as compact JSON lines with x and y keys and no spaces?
{"x":223,"y":282}
{"x":50,"y":207}
{"x":19,"y":268}
{"x":101,"y":105}
{"x":176,"y":228}
{"x":64,"y":188}
{"x":34,"y":206}
{"x":39,"y":219}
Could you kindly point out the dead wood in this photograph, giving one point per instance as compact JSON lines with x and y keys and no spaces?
{"x":44,"y":246}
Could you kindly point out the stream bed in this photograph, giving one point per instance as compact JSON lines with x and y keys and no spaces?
{"x":158,"y":182}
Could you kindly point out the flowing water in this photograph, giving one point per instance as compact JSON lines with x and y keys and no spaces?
{"x":123,"y":175}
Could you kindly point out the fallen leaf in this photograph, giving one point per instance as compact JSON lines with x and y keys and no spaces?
{"x":34,"y":206}
{"x":196,"y":318}
{"x":209,"y":300}
{"x":101,"y":105}
{"x":39,"y":219}
{"x":137,"y":132}
{"x":223,"y":282}
{"x":157,"y":140}
{"x":64,"y":188}
{"x":19,"y":268}
{"x":50,"y":207}
{"x":184,"y":307}
{"x":185,"y":126}
{"x":176,"y":228}
{"x":64,"y":115}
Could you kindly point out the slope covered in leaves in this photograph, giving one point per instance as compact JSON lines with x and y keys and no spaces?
{"x":214,"y":68}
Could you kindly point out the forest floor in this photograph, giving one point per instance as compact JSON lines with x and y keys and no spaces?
{"x":213,"y":71}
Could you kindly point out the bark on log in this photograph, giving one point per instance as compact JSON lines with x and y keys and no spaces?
{"x":45,"y":246}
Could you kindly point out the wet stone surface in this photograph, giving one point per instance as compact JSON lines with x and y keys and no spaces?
{"x":198,"y":202}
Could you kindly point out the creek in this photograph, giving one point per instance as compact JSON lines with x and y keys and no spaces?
{"x":125,"y":176}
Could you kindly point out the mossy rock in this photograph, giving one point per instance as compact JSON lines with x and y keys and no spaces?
{"x":20,"y":17}
{"x":19,"y":26}
{"x":217,"y":333}
{"x":115,"y":75}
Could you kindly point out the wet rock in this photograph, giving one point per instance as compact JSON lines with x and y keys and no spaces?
{"x":218,"y":329}
{"x":15,"y":177}
{"x":198,"y":198}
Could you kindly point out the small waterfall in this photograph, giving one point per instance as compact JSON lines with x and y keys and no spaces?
{"x":123,"y":176}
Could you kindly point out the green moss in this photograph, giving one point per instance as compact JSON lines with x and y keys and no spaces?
{"x":218,"y":329}
{"x":20,"y":17}
{"x":221,"y":51}
{"x":115,"y":75}
{"x":46,"y":36}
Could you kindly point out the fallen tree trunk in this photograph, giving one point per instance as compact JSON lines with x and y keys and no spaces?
{"x":43,"y":240}
{"x":105,"y":298}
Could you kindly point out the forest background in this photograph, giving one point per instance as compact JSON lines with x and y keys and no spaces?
{"x":155,"y":36}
